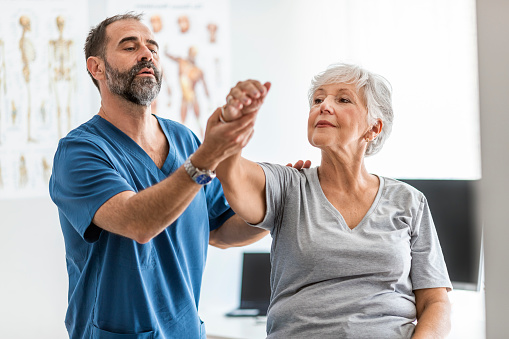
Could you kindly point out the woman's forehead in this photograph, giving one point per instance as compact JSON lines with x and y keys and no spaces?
{"x":338,"y":87}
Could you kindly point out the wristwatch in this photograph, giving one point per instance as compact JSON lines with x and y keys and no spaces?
{"x":200,"y":176}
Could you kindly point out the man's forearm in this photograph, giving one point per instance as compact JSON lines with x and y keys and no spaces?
{"x":144,"y":215}
{"x":235,"y":233}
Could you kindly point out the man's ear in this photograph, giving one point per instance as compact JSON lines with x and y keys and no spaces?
{"x":95,"y":66}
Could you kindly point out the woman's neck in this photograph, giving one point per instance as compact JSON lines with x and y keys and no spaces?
{"x":344,"y":172}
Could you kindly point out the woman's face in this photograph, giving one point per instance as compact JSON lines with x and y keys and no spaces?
{"x":338,"y":118}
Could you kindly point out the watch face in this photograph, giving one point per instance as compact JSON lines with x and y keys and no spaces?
{"x":203,"y":179}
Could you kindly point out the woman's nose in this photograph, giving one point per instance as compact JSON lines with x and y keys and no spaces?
{"x":325,"y":106}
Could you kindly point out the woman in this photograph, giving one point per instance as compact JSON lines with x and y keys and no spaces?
{"x":354,"y":255}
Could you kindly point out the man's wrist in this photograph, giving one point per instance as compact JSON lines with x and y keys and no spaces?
{"x":204,"y":160}
{"x":199,"y":175}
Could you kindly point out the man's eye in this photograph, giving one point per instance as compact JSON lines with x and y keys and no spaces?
{"x":129,"y":48}
{"x":154,"y":51}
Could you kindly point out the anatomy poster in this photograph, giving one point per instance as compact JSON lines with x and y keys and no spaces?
{"x":194,"y":49}
{"x":40,"y":54}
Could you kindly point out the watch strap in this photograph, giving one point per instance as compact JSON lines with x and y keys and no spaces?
{"x":200,"y":176}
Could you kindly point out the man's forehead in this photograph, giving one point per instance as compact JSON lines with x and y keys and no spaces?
{"x":119,"y":30}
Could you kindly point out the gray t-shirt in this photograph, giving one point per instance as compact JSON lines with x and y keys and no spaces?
{"x":329,"y":281}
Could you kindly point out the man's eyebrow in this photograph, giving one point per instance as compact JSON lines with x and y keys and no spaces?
{"x":128,"y":38}
{"x":133,"y":38}
{"x":153,"y":42}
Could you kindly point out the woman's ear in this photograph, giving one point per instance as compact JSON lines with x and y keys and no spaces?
{"x":95,"y":66}
{"x":377,"y":127}
{"x":375,"y":130}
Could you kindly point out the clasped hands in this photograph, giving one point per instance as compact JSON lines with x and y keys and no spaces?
{"x":245,"y":98}
{"x":237,"y":117}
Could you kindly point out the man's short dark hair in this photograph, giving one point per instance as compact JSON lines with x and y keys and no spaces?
{"x":96,"y":42}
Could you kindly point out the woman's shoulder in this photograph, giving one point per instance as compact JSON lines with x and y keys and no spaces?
{"x":287,"y":170}
{"x":397,"y":189}
{"x":287,"y":175}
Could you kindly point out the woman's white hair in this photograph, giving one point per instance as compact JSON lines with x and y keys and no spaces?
{"x":377,"y":96}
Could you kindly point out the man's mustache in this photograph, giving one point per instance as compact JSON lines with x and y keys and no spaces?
{"x":144,"y":64}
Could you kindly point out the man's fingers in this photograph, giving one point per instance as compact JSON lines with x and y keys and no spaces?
{"x":300,"y":164}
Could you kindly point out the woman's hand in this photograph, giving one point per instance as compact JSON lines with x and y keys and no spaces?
{"x":245,"y":98}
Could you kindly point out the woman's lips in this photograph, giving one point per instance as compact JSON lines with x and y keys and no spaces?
{"x":324,"y":123}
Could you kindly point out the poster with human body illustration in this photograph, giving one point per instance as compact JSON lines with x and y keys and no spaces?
{"x":40,"y":54}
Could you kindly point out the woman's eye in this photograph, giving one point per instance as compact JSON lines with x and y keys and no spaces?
{"x":317,"y":101}
{"x":345,"y":100}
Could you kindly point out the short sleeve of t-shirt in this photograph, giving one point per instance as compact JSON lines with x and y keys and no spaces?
{"x":83,"y":179}
{"x":277,"y":180}
{"x":428,"y":268}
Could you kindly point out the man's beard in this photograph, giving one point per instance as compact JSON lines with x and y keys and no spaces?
{"x":138,"y":90}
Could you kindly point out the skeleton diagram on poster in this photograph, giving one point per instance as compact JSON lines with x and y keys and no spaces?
{"x":193,"y":38}
{"x":38,"y":101}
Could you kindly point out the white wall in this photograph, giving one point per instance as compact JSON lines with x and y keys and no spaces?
{"x":33,"y":281}
{"x":494,"y":102}
{"x":426,"y":49}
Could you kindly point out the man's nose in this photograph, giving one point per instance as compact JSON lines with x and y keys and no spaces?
{"x":145,"y":54}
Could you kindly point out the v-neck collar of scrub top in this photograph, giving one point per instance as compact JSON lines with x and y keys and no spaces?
{"x":125,"y":142}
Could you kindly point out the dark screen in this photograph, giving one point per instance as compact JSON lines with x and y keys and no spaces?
{"x":255,"y":290}
{"x":453,"y":208}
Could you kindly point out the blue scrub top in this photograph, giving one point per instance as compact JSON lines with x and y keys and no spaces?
{"x":119,"y":288}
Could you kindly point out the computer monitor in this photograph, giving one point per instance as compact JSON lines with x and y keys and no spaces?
{"x":255,"y":285}
{"x":453,"y":207}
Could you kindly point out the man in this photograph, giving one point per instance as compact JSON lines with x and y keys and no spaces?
{"x":136,"y":197}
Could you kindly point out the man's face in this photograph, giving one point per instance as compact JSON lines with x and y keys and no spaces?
{"x":130,"y":85}
{"x":133,"y":69}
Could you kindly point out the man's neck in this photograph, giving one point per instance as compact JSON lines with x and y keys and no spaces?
{"x":134,"y":120}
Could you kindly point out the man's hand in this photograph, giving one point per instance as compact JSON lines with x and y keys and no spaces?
{"x":300,"y":164}
{"x":223,"y":140}
{"x":245,"y":98}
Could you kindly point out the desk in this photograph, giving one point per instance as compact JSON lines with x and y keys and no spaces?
{"x":467,"y":320}
{"x":219,"y":326}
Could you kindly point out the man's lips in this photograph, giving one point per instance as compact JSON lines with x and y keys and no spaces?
{"x":146,"y":71}
{"x":324,"y":123}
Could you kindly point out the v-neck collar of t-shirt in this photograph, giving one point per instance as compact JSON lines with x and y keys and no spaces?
{"x":333,"y":210}
{"x":125,"y":142}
